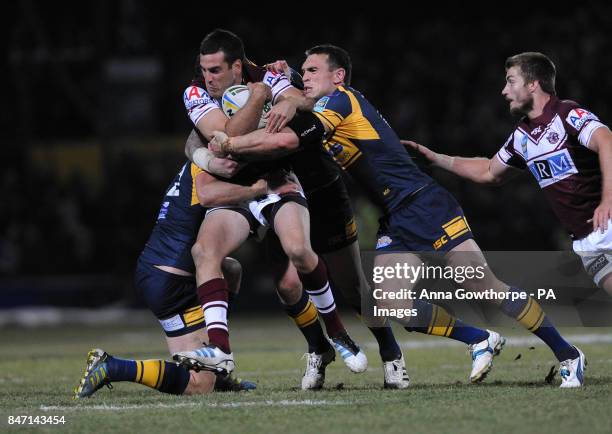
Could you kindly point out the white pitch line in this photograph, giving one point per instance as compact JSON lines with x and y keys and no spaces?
{"x":513,"y":341}
{"x":267,"y":403}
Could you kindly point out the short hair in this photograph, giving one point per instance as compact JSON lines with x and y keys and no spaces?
{"x":226,"y":41}
{"x":535,"y":66}
{"x":336,"y":58}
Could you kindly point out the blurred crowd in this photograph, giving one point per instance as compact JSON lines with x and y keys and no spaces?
{"x":117,"y":69}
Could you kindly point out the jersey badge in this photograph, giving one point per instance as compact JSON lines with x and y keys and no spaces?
{"x":320,"y":105}
{"x":383,"y":241}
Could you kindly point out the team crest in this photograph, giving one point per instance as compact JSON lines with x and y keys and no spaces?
{"x":383,"y":241}
{"x":552,"y":137}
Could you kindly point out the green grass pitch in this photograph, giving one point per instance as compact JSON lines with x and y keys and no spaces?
{"x":39,"y":368}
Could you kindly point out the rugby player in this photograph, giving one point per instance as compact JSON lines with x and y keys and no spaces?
{"x":418,"y":214}
{"x":568,"y":150}
{"x":333,"y":231}
{"x":165,"y":278}
{"x":223,"y":64}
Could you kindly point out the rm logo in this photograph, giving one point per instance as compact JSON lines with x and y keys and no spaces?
{"x":553,"y":168}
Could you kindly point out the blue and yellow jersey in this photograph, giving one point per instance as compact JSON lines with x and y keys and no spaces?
{"x":362,"y":143}
{"x":178,"y":222}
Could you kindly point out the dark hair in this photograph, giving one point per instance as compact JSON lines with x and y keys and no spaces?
{"x":197,"y":69}
{"x":535,"y":66}
{"x":226,"y":41}
{"x":336,"y":58}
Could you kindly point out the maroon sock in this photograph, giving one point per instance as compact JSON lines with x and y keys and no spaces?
{"x":316,"y":284}
{"x":213,"y":297}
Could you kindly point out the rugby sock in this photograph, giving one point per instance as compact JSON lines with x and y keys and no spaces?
{"x":317,"y":286}
{"x":530,"y":315}
{"x":164,"y":376}
{"x":435,"y":320}
{"x":388,"y":348}
{"x":387,"y":345}
{"x":213,"y":297}
{"x":304,"y":313}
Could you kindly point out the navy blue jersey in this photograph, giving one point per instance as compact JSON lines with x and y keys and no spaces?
{"x":178,"y":222}
{"x":362,"y":143}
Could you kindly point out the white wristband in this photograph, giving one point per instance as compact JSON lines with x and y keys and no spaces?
{"x":201,"y":158}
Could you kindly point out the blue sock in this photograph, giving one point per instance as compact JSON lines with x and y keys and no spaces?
{"x":121,"y":369}
{"x":167,"y":377}
{"x":530,"y":315}
{"x":387,"y":345}
{"x":435,"y":320}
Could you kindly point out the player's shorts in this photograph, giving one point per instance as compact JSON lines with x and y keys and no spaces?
{"x":260,"y":212}
{"x":243,"y":210}
{"x":332,"y":222}
{"x":431,"y":220}
{"x":172,"y":299}
{"x":595,"y":250}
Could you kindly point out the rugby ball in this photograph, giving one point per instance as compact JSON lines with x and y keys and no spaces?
{"x":235,"y":97}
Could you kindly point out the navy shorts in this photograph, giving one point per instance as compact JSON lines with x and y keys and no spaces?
{"x":431,"y":220}
{"x":172,"y":298}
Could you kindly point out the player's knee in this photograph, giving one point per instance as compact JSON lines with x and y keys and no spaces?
{"x":197,"y":252}
{"x":201,"y":254}
{"x":200,"y":383}
{"x":300,"y":255}
{"x":289,"y":289}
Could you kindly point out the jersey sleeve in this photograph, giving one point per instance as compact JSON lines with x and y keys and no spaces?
{"x":278,"y":83}
{"x":582,"y":123}
{"x":198,"y":103}
{"x":508,"y":156}
{"x":333,"y":109}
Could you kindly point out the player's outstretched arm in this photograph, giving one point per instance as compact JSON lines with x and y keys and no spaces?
{"x":205,"y":159}
{"x":601,"y":142}
{"x":257,"y":145}
{"x":213,"y":192}
{"x":479,"y":170}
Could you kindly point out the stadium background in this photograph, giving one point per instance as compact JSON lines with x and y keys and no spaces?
{"x":93,"y":124}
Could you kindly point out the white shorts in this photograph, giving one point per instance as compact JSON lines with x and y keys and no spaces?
{"x":595,"y":250}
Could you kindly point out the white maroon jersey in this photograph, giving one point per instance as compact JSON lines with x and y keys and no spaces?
{"x":554,"y":147}
{"x":199,"y":103}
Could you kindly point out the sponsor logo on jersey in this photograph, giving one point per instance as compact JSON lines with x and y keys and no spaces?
{"x":271,"y":78}
{"x":163,"y":211}
{"x":536,"y":131}
{"x":320,"y":105}
{"x":308,"y":131}
{"x":383,"y":241}
{"x":578,"y":117}
{"x":195,"y":96}
{"x":553,"y":168}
